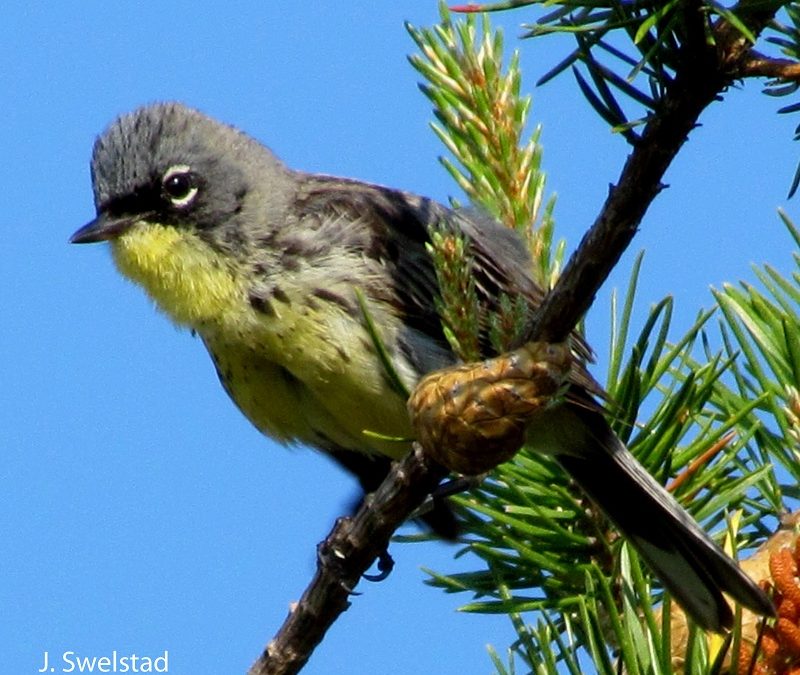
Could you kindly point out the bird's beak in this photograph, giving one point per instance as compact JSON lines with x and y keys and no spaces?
{"x":102,"y":228}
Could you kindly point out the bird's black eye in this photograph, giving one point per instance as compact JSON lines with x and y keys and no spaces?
{"x":179,"y":186}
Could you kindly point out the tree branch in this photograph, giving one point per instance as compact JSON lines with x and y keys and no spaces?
{"x":707,"y":73}
{"x":343,"y":558}
{"x":355,"y":542}
{"x":760,"y":65}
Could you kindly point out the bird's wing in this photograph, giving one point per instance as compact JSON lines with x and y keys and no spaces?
{"x":393,"y":229}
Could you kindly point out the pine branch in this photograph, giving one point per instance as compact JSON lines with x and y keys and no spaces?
{"x":705,"y":76}
{"x":702,"y":75}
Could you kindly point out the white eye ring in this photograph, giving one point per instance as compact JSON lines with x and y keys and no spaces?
{"x":179,"y":185}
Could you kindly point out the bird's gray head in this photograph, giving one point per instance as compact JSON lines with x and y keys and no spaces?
{"x":170,"y":164}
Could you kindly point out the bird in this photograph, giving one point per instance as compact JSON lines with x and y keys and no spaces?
{"x":274,"y":269}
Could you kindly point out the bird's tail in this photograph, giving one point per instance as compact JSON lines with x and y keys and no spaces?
{"x":694,"y":569}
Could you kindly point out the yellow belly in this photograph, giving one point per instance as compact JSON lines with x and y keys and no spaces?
{"x":324,"y":409}
{"x":306,"y":373}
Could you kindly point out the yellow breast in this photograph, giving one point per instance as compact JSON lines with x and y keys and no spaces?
{"x":306,"y":372}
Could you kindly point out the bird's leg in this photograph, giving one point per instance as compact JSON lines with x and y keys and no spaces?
{"x":454,"y":486}
{"x":385,"y":567}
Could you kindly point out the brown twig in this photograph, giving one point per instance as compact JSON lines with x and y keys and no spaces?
{"x":760,"y":65}
{"x":355,"y":542}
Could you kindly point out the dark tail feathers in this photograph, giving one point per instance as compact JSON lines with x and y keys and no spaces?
{"x":687,"y":561}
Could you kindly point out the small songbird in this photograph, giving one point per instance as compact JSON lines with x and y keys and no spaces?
{"x":269,"y":267}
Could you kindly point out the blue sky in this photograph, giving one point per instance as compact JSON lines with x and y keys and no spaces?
{"x":140,"y":511}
